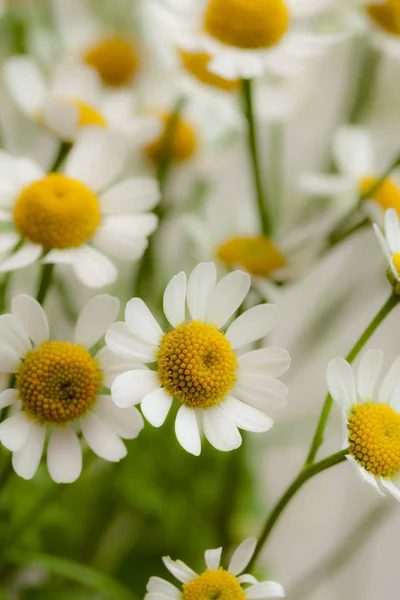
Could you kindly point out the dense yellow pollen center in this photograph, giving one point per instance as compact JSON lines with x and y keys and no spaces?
{"x":89,"y":115}
{"x":58,"y":382}
{"x":115,"y":59}
{"x":257,"y":255}
{"x":196,"y":364}
{"x":57,"y":212}
{"x":197,"y":64}
{"x":182,"y":143}
{"x":247,"y":24}
{"x":374,"y":436}
{"x":386,"y":15}
{"x":214,"y":585}
{"x":387,"y":194}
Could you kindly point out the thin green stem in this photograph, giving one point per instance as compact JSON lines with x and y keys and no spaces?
{"x":62,"y":154}
{"x":294,"y":487}
{"x":46,"y":278}
{"x":263,"y":212}
{"x":316,"y":443}
{"x":365,"y":85}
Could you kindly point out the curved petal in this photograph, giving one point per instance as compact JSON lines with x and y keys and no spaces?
{"x":142,"y":323}
{"x":389,"y":382}
{"x":353,"y":151}
{"x":102,"y":440}
{"x":187,"y":430}
{"x":341,"y":385}
{"x":261,"y":391}
{"x":392,"y":230}
{"x":265,"y":589}
{"x":270,"y":361}
{"x":125,"y":422}
{"x":15,"y":431}
{"x":391,"y":488}
{"x":95,"y":318}
{"x":368,"y":373}
{"x":131,"y":387}
{"x":245,"y":416}
{"x":364,"y":475}
{"x":8,"y":397}
{"x":252,"y":325}
{"x":156,"y":585}
{"x":174,"y":300}
{"x":179,"y":570}
{"x":25,"y":83}
{"x":242,"y":556}
{"x":113,"y":365}
{"x":155,"y":406}
{"x":27,"y":460}
{"x":9,"y":361}
{"x":220,"y":430}
{"x":201,"y":287}
{"x":227,"y":297}
{"x":32,"y":317}
{"x":64,"y":455}
{"x":131,"y":195}
{"x":13,"y":335}
{"x":27,"y":255}
{"x":61,"y":116}
{"x":125,"y":236}
{"x":119,"y":339}
{"x":213,"y":558}
{"x":93,"y":269}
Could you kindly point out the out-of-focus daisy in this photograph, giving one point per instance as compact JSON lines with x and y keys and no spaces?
{"x":79,"y":216}
{"x":183,"y":139}
{"x":389,"y":240}
{"x":58,"y":390}
{"x":198,"y":363}
{"x":371,"y":417}
{"x":215,"y":582}
{"x":72,"y":98}
{"x":243,"y":39}
{"x":354,"y":155}
{"x":381,"y":21}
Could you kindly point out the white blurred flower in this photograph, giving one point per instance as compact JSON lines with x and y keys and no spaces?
{"x":57,"y":390}
{"x":389,"y":240}
{"x":200,"y":365}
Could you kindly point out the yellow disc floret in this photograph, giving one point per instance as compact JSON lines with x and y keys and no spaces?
{"x":386,"y":15}
{"x":374,"y":436}
{"x":213,"y":585}
{"x":196,"y":364}
{"x":387,"y":194}
{"x":57,"y":212}
{"x":58,"y":382}
{"x":115,"y":59}
{"x":247,"y":24}
{"x":396,"y":262}
{"x":257,"y":255}
{"x":182,"y":142}
{"x":196,"y":63}
{"x":89,"y":115}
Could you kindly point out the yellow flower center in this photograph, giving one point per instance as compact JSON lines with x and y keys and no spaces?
{"x":196,"y":364}
{"x":182,"y":144}
{"x":214,"y":585}
{"x":89,"y":115}
{"x":115,"y":59}
{"x":386,"y":15}
{"x":57,"y":212}
{"x":247,"y":24}
{"x":197,"y":62}
{"x":387,"y":194}
{"x":374,"y":436}
{"x":257,"y":255}
{"x":396,"y":262}
{"x":58,"y":382}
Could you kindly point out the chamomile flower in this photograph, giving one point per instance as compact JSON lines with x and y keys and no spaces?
{"x":371,"y":418}
{"x":243,"y":39}
{"x":389,"y":240}
{"x":78,"y":217}
{"x":381,"y":20}
{"x":72,"y":98}
{"x":198,"y":363}
{"x":58,"y":390}
{"x":215,"y":581}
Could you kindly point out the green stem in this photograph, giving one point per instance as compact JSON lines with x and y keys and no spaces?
{"x":365,"y":85}
{"x":62,"y":153}
{"x":294,"y":487}
{"x":276,"y":161}
{"x":264,"y":216}
{"x":388,"y":306}
{"x":46,"y":278}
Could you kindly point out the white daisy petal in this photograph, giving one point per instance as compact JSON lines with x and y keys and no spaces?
{"x":13,"y":335}
{"x":341,"y":385}
{"x":27,"y":460}
{"x":117,"y":236}
{"x":76,"y":80}
{"x":187,"y":430}
{"x":265,"y":589}
{"x":364,"y":475}
{"x":142,"y":323}
{"x":252,"y":325}
{"x":9,"y":361}
{"x":64,"y":455}
{"x":242,"y":556}
{"x":32,"y":317}
{"x":61,"y":257}
{"x":8,"y":397}
{"x":389,"y":382}
{"x":246,"y":417}
{"x":179,"y":570}
{"x":160,"y":586}
{"x":353,"y":151}
{"x":213,"y":558}
{"x":131,"y":387}
{"x":25,"y":256}
{"x":395,"y":398}
{"x":220,"y":429}
{"x":391,"y":488}
{"x":25,"y":83}
{"x":392,"y":230}
{"x":101,"y":439}
{"x":61,"y":117}
{"x":270,"y":361}
{"x":120,"y":340}
{"x":368,"y":373}
{"x":131,"y":195}
{"x":246,"y":578}
{"x":227,"y":297}
{"x":127,"y":423}
{"x":94,"y":319}
{"x":93,"y":269}
{"x":112,"y":365}
{"x":14,"y":431}
{"x":261,"y":391}
{"x":155,"y":406}
{"x":174,"y":300}
{"x":201,"y":286}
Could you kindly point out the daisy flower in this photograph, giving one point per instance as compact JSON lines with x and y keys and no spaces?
{"x":389,"y":240}
{"x":72,"y":98}
{"x":371,"y":418}
{"x":79,"y":216}
{"x":215,"y":582}
{"x":355,"y":158}
{"x":197,"y":363}
{"x":58,"y":390}
{"x":380,"y":19}
{"x":243,"y":39}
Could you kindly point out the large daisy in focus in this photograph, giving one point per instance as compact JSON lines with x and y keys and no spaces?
{"x":215,"y":581}
{"x":72,"y":98}
{"x":371,"y":418}
{"x":58,"y":390}
{"x":200,"y":364}
{"x":78,"y":217}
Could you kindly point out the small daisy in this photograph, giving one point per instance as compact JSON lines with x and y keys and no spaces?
{"x":381,"y":20}
{"x":79,"y":216}
{"x":200,"y":365}
{"x":215,"y":582}
{"x":371,"y":417}
{"x":58,"y":390}
{"x":389,"y":240}
{"x":72,"y":98}
{"x":243,"y":39}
